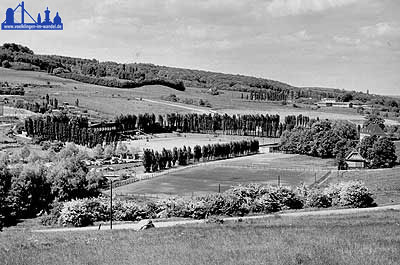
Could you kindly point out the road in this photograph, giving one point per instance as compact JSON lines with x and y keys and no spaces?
{"x":165,"y":223}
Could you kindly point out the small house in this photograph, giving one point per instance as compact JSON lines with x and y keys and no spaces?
{"x":354,"y":160}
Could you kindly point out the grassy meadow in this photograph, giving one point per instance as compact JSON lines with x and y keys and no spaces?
{"x":360,"y":239}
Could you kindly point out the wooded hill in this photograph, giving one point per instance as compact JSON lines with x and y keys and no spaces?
{"x":138,"y":74}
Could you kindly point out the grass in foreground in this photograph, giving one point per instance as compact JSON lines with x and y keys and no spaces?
{"x":363,"y":239}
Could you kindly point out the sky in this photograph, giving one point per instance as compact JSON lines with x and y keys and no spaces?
{"x":346,"y":44}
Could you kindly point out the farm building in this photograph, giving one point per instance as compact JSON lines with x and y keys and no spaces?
{"x":333,"y":103}
{"x":103,"y":126}
{"x":272,"y":148}
{"x":354,"y":160}
{"x":372,"y":130}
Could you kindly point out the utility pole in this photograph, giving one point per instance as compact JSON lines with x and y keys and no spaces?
{"x":111,"y":211}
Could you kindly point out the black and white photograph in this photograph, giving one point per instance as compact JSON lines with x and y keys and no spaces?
{"x":200,"y":132}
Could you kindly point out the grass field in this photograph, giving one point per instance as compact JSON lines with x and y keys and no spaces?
{"x":171,"y":140}
{"x":210,"y":177}
{"x":360,"y":239}
{"x":384,"y":183}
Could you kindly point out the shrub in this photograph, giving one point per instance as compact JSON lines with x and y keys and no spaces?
{"x":82,"y":212}
{"x":238,"y":201}
{"x":54,"y":215}
{"x":350,"y":194}
{"x":227,"y":204}
{"x":126,"y":211}
{"x":353,"y":194}
{"x":286,"y":197}
{"x":319,"y":199}
{"x":266,"y":204}
{"x":6,"y":64}
{"x":277,"y":198}
{"x":252,"y":190}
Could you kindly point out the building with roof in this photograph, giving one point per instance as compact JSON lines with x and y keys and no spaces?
{"x":354,"y":160}
{"x":372,"y":130}
{"x":334,"y":103}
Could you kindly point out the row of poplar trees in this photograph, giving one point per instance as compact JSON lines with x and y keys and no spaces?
{"x":76,"y":129}
{"x":67,"y":129}
{"x":154,"y":161}
{"x":251,"y":125}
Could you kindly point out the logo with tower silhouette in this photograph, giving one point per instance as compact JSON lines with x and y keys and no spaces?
{"x":12,"y":22}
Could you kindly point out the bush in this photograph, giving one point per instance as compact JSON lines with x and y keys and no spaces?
{"x":227,"y":204}
{"x":266,"y":204}
{"x":318,"y":199}
{"x":238,"y":201}
{"x":6,"y":64}
{"x":252,"y":190}
{"x":350,"y":194}
{"x":286,"y":197}
{"x":82,"y":212}
{"x":54,"y":215}
{"x":126,"y":211}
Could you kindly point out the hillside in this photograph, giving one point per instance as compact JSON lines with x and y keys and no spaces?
{"x":134,"y":75}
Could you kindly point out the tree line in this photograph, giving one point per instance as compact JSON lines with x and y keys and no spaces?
{"x":76,"y":129}
{"x":114,"y":82}
{"x":269,"y":95}
{"x":248,"y":125}
{"x":154,"y":161}
{"x":67,"y":128}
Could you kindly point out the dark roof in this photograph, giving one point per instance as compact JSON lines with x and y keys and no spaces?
{"x":102,"y":125}
{"x":354,"y":156}
{"x":373,"y":129}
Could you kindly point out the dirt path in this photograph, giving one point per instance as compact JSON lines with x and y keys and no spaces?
{"x":200,"y":110}
{"x":162,"y":223}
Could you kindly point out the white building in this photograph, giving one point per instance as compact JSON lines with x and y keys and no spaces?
{"x":332,"y":103}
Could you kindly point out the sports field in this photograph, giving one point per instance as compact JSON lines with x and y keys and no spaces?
{"x":221,"y":175}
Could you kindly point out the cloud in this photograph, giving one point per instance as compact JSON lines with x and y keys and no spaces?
{"x":380,"y":29}
{"x":346,"y":40}
{"x":296,"y":7}
{"x":299,"y":36}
